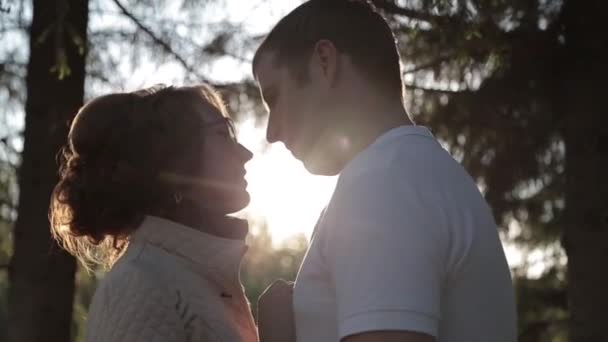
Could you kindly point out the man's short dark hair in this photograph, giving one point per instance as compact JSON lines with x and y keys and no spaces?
{"x":353,"y":26}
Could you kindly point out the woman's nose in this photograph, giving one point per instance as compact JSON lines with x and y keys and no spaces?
{"x":245,"y":153}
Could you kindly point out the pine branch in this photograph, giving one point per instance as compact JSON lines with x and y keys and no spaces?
{"x":533,"y":328}
{"x":428,"y":65}
{"x":392,"y":8}
{"x":435,"y":90}
{"x":159,"y":41}
{"x":5,"y":68}
{"x":447,"y":23}
{"x":16,"y":27}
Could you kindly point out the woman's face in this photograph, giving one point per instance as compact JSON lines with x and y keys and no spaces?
{"x":222,"y":173}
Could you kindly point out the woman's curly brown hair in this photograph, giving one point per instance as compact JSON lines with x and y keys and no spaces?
{"x":117,"y":147}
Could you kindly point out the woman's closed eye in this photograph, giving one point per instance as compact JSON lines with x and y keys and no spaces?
{"x":223,"y":133}
{"x":223,"y":128}
{"x":226,"y":134}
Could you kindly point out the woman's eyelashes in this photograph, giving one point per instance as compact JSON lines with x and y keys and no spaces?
{"x":226,"y":134}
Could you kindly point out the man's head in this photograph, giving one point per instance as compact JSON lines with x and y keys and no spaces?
{"x":312,"y":68}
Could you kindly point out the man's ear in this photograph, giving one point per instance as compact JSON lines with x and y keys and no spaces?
{"x":324,"y":61}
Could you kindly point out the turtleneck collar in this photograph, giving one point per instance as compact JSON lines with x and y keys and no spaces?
{"x":209,"y":254}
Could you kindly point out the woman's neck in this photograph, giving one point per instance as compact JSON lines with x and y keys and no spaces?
{"x":201,"y":219}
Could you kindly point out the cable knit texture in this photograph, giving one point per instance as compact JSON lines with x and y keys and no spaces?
{"x":173,"y":284}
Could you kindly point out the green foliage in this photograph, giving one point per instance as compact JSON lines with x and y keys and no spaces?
{"x":542,"y":307}
{"x":5,"y":252}
{"x":86,"y":284}
{"x":265,"y":263}
{"x":3,"y":305}
{"x":6,"y":242}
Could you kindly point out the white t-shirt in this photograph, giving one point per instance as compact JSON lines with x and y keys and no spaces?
{"x":406,"y":243}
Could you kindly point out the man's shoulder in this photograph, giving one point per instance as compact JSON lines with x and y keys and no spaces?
{"x":399,"y":153}
{"x":385,"y":168}
{"x":408,"y":179}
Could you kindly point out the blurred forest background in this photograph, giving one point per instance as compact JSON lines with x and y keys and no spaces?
{"x":511,"y":87}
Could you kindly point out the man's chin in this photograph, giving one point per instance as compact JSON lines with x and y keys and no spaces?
{"x":316,"y":161}
{"x":322,"y":166}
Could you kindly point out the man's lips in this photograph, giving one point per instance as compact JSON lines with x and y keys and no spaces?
{"x":294,"y":151}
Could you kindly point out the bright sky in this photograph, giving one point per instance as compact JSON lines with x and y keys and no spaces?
{"x":282,"y":192}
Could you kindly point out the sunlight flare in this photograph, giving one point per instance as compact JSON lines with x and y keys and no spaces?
{"x":283,"y":194}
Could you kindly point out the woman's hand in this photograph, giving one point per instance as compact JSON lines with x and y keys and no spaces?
{"x":275,"y":313}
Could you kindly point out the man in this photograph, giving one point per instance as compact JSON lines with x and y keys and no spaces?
{"x":407,"y":249}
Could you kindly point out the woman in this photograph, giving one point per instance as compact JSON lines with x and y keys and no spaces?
{"x":146,"y":182}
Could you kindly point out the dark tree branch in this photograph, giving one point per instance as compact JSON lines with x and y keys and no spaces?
{"x":435,"y":90}
{"x":17,"y":27}
{"x":536,"y":327}
{"x":98,"y":75}
{"x":10,"y":73}
{"x":392,"y":8}
{"x":449,"y":23}
{"x":430,"y":64}
{"x":159,"y":41}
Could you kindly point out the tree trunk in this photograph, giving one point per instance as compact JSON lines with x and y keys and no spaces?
{"x":586,"y":138}
{"x":41,"y":275}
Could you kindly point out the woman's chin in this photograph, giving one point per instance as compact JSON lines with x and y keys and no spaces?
{"x":243,"y":203}
{"x":237,"y":202}
{"x":227,"y":200}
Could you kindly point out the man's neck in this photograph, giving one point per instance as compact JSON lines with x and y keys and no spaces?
{"x":370,"y":122}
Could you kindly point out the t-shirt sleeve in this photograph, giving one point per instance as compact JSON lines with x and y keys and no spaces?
{"x":385,"y":257}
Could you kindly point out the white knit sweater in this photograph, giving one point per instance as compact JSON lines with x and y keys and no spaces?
{"x":173,"y":284}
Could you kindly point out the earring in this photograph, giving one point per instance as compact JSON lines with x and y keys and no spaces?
{"x":178,"y":197}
